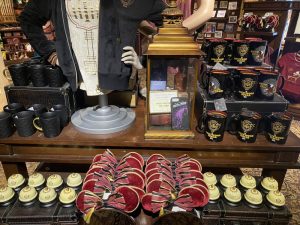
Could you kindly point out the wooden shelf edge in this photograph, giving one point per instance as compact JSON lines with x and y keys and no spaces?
{"x":257,"y":33}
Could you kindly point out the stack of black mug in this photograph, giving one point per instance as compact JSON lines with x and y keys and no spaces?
{"x":37,"y":73}
{"x":36,"y":117}
{"x":250,"y":51}
{"x":246,"y":125}
{"x":245,"y":84}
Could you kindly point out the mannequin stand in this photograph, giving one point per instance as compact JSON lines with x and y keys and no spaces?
{"x":103,"y":119}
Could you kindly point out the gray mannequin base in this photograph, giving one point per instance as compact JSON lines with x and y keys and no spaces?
{"x":104,"y":120}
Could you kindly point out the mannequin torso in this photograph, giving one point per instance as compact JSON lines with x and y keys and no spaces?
{"x":83,"y":21}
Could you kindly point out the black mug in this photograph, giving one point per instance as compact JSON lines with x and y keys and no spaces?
{"x":216,"y":51}
{"x":23,"y":121}
{"x":14,"y":108}
{"x":54,"y":76}
{"x":240,"y":51}
{"x":206,"y":46}
{"x":257,"y":49}
{"x":50,"y":124}
{"x":62,"y":111}
{"x":268,"y":84}
{"x":219,"y":83}
{"x":37,"y":75}
{"x":38,"y":109}
{"x":245,"y":126}
{"x":278,"y":127}
{"x":213,"y":125}
{"x":246,"y":84}
{"x":6,"y":125}
{"x":19,"y":74}
{"x":29,"y":63}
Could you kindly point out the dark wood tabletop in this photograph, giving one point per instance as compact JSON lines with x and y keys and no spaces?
{"x":74,"y":147}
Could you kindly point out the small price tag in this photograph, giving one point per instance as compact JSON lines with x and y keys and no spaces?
{"x":219,"y":66}
{"x":248,"y":14}
{"x":220,"y":104}
{"x":178,"y":209}
{"x":269,"y":14}
{"x":106,"y":195}
{"x":198,"y":213}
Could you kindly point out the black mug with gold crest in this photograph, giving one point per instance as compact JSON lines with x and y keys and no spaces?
{"x":257,"y":49}
{"x":278,"y":127}
{"x":240,"y":53}
{"x":246,"y":83}
{"x":245,"y":126}
{"x":216,"y":52}
{"x":219,"y":82}
{"x":268,"y":84}
{"x":213,"y":125}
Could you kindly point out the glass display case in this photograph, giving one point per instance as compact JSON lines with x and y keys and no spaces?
{"x":172,"y":70}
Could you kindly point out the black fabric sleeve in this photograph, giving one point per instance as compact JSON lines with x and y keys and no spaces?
{"x":35,"y":14}
{"x":155,"y":14}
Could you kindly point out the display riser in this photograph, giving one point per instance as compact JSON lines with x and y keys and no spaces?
{"x":234,"y":106}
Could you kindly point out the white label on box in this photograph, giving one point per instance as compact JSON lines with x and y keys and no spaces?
{"x":178,"y":209}
{"x":106,"y":195}
{"x":220,"y":104}
{"x":160,"y":101}
{"x":269,"y":14}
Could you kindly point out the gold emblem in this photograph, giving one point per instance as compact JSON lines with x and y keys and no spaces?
{"x":247,"y":126}
{"x":213,"y":125}
{"x":243,"y":50}
{"x":219,"y":50}
{"x":248,"y":83}
{"x":277,"y":128}
{"x":127,"y":3}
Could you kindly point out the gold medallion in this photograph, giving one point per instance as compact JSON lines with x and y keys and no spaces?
{"x":214,"y":126}
{"x":247,"y":126}
{"x":277,"y":128}
{"x":248,"y":83}
{"x":243,"y":50}
{"x":127,"y":3}
{"x":219,"y":50}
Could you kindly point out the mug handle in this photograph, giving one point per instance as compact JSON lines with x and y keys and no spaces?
{"x":281,"y":83}
{"x":6,"y":74}
{"x":230,"y":82}
{"x":201,"y":124}
{"x":36,"y":126}
{"x":233,"y":124}
{"x":203,"y":76}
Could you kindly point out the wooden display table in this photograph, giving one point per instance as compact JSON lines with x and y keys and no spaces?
{"x":73,"y":147}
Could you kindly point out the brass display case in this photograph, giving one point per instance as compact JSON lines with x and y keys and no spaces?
{"x":172,"y":71}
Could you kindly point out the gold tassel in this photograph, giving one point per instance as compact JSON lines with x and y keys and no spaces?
{"x":161,"y":212}
{"x":87,"y":217}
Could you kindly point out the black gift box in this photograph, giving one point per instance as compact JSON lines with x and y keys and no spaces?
{"x":48,"y":96}
{"x":36,"y":214}
{"x":234,"y":106}
{"x":222,"y":213}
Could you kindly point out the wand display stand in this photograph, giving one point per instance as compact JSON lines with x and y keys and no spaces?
{"x":103,"y":119}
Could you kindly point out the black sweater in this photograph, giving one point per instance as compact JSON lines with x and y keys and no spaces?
{"x":117,"y":29}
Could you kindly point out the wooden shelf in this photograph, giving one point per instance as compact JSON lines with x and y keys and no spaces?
{"x":262,"y":33}
{"x":10,"y":29}
{"x":213,"y":19}
{"x":10,"y":37}
{"x":228,"y":66}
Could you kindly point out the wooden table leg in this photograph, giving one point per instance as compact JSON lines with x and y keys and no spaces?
{"x":276,"y":174}
{"x":12,"y":168}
